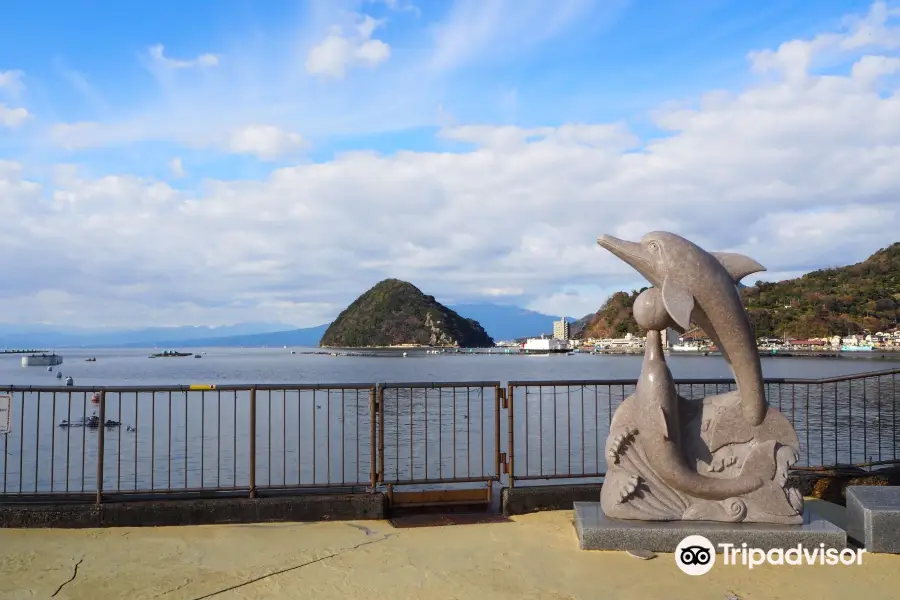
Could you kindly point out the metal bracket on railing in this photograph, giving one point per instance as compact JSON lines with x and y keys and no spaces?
{"x":504,"y":464}
{"x":504,"y":403}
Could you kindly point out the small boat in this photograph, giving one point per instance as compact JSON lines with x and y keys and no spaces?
{"x":404,"y":355}
{"x":197,"y":356}
{"x":170,"y":354}
{"x":69,"y":381}
{"x":92,"y":422}
{"x":292,"y":352}
{"x":49,"y":368}
{"x":91,"y":359}
{"x":59,"y":374}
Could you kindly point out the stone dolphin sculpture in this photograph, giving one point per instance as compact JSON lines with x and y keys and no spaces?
{"x":699,"y":286}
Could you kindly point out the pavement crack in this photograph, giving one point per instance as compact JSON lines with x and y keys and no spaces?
{"x":293,"y":568}
{"x":174,"y":589}
{"x":70,"y":580}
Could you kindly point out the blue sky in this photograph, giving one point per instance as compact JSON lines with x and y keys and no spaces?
{"x":357,"y":127}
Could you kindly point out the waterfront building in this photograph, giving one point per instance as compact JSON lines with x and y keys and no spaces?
{"x":561,"y":329}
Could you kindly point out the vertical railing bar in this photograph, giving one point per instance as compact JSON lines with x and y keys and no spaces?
{"x":218,"y":438}
{"x":101,"y":445}
{"x":136,"y":434}
{"x":411,"y":434}
{"x":835,"y":423}
{"x":344,"y":439}
{"x":468,"y":432}
{"x":569,"y":426}
{"x":168,"y":445}
{"x":582,"y":430}
{"x":299,"y":437}
{"x":597,"y":424}
{"x":253,"y":442}
{"x":373,"y":466}
{"x":328,"y":436}
{"x":440,"y":434}
{"x":52,"y":444}
{"x":37,"y":438}
{"x":202,"y":439}
{"x":315,"y":437}
{"x":878,"y":410}
{"x":425,"y":410}
{"x":284,"y":437}
{"x":152,"y":440}
{"x":234,"y":459}
{"x":186,"y":433}
{"x":541,"y":429}
{"x":808,"y":426}
{"x":68,"y":434}
{"x":497,"y":462}
{"x":83,"y":439}
{"x":510,"y":437}
{"x":481,"y":420}
{"x":865,"y":422}
{"x":454,"y":432}
{"x":269,"y":439}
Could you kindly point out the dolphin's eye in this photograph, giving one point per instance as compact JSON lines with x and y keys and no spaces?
{"x":653,"y":247}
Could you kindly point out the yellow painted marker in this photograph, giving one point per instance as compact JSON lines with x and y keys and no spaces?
{"x":203,"y":387}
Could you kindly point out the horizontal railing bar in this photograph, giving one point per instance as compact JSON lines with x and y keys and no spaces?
{"x":559,"y":476}
{"x":484,"y":479}
{"x":440,"y":384}
{"x":193,"y":388}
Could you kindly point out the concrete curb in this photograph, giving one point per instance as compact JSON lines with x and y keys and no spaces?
{"x":303,"y":508}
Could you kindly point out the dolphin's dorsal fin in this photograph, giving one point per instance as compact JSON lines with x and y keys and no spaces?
{"x":738,"y":265}
{"x":679,"y":303}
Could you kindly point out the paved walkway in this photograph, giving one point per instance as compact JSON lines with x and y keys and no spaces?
{"x":534,"y":557}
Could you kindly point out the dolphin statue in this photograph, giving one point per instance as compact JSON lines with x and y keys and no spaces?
{"x":701,"y":287}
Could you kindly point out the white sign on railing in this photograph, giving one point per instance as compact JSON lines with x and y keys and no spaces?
{"x":5,"y":413}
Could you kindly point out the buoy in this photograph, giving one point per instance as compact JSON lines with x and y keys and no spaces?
{"x":95,"y":399}
{"x":70,"y":381}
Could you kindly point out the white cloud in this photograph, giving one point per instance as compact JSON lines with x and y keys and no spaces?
{"x":159,"y":58}
{"x":798,"y":170}
{"x":264,"y":141}
{"x":13,"y":117}
{"x":176,"y":167}
{"x":398,"y":5}
{"x":338,"y":52}
{"x":11,"y":82}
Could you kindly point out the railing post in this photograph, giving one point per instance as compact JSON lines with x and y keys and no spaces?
{"x":380,"y":433}
{"x":498,"y":394}
{"x":510,"y":438}
{"x":101,"y":441}
{"x":373,"y":451}
{"x":253,"y":442}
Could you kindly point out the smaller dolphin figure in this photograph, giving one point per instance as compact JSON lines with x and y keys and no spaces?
{"x":722,"y":458}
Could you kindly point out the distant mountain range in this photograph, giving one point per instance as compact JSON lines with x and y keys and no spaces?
{"x":500,"y":321}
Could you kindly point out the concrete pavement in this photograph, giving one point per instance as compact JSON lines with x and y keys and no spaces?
{"x":533,"y":557}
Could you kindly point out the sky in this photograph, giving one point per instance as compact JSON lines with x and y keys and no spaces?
{"x":174,"y":163}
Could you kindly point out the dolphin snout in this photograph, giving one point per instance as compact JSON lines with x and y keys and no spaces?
{"x":627,"y":251}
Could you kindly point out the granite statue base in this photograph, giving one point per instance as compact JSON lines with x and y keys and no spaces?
{"x":596,"y":531}
{"x":873,"y":517}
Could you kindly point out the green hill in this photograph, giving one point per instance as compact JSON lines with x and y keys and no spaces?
{"x":394,"y":313}
{"x":838,"y":301}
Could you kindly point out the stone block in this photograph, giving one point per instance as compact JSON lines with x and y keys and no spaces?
{"x":873,"y":517}
{"x":596,"y":531}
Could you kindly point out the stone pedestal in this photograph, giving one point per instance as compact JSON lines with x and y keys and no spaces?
{"x":596,"y":531}
{"x":873,"y":517}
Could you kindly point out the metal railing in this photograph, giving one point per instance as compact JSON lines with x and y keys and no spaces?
{"x":438,"y":433}
{"x":120,"y":443}
{"x":133,"y":441}
{"x":558,"y":429}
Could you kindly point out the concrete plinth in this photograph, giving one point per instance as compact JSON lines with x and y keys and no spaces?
{"x":873,"y":517}
{"x":596,"y":531}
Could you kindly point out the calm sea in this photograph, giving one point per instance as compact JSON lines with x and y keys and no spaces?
{"x":269,"y":365}
{"x":202,"y":440}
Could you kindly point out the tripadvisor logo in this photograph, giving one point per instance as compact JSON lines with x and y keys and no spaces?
{"x":696,"y":555}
